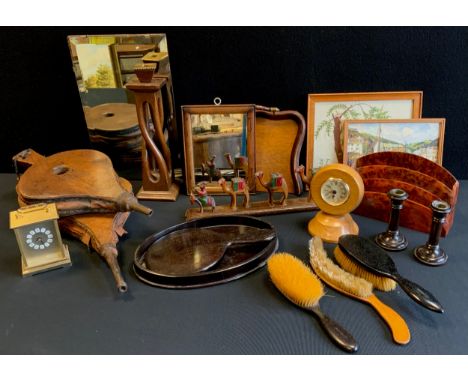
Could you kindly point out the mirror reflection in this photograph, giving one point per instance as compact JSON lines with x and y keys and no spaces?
{"x":219,"y":146}
{"x":103,"y":65}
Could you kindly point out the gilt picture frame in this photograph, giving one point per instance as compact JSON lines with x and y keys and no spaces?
{"x":210,"y":133}
{"x":326,"y":113}
{"x":423,"y":137}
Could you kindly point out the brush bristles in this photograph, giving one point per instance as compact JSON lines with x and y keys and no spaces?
{"x":382,"y":283}
{"x":333,"y":274}
{"x":294,"y":279}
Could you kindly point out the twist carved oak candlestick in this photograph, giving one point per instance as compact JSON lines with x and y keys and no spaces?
{"x":392,"y":239}
{"x":157,"y":172}
{"x":431,"y":253}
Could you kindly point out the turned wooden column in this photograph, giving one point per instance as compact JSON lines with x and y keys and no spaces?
{"x":157,"y":172}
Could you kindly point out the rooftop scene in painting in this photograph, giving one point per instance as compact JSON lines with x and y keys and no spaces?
{"x":415,"y":138}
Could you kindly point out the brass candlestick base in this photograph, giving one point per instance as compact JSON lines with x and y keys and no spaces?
{"x":393,"y":239}
{"x":431,"y":253}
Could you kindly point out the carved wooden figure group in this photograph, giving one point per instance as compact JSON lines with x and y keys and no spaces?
{"x":305,"y":179}
{"x":209,"y":168}
{"x":275,"y":184}
{"x":240,"y":163}
{"x":237,"y":186}
{"x":202,"y":199}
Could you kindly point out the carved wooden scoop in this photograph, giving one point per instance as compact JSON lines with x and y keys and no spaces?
{"x":194,"y":250}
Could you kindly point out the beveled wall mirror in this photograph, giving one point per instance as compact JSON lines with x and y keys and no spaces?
{"x":218,"y":142}
{"x":103,"y":65}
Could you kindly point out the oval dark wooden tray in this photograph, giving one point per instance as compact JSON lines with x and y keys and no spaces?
{"x":235,"y":263}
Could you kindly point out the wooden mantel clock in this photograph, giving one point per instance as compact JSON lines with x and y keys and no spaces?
{"x":38,"y":238}
{"x":337,"y":189}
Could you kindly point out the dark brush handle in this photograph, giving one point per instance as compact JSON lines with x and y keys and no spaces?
{"x":419,"y":294}
{"x":257,"y":238}
{"x":336,"y":332}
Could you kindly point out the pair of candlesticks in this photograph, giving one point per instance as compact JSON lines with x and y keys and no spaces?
{"x":393,"y":240}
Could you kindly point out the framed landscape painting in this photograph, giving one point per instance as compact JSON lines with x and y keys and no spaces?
{"x":423,"y":137}
{"x":326,"y":113}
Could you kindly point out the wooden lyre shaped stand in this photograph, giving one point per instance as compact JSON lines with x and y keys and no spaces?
{"x":157,"y":172}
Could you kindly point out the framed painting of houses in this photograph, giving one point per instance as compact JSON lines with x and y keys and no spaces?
{"x":423,"y":137}
{"x":326,"y":113}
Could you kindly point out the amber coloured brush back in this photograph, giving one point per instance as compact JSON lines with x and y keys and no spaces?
{"x":294,"y":279}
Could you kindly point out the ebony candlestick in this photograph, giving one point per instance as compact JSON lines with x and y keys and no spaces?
{"x":392,"y":239}
{"x":431,"y":253}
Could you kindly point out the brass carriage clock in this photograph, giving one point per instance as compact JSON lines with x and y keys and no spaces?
{"x":39,"y":239}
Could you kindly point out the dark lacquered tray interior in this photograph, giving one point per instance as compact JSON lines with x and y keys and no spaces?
{"x":236,"y":262}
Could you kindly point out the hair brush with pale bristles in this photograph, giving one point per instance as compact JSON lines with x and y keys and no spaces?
{"x":379,"y":282}
{"x":355,"y":287}
{"x":368,"y":255}
{"x":299,"y":285}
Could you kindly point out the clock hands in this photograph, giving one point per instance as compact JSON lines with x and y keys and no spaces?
{"x":39,"y":238}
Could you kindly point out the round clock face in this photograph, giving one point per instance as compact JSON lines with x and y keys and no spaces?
{"x":39,"y":238}
{"x":335,"y":191}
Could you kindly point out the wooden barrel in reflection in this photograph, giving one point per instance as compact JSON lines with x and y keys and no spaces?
{"x":113,"y":129}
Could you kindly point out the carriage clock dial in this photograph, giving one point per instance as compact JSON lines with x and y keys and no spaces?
{"x":337,"y":189}
{"x":38,"y":238}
